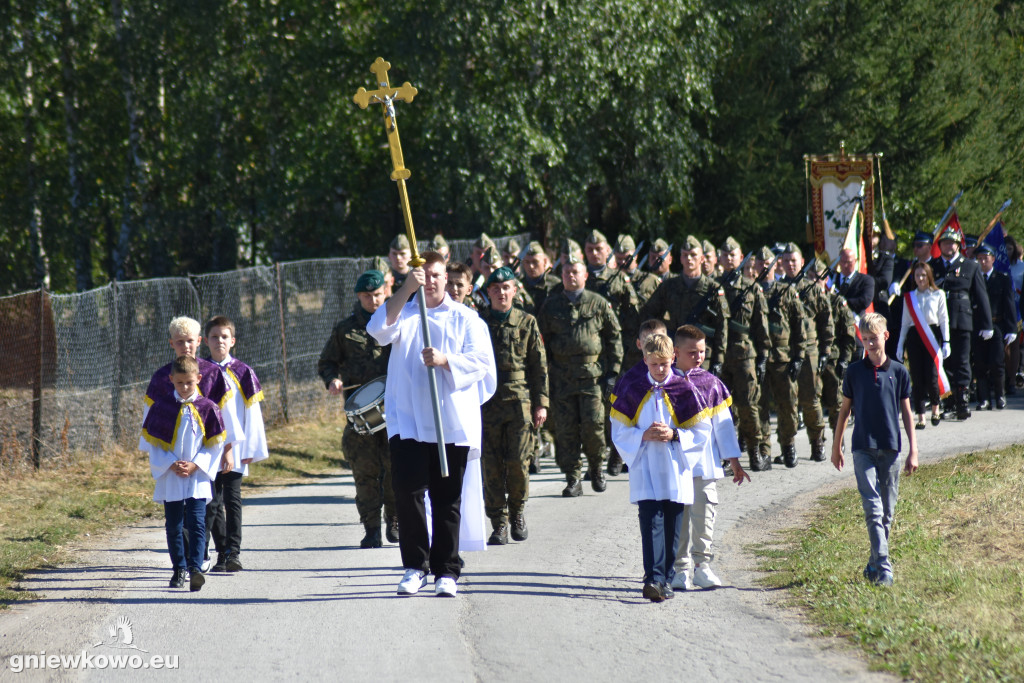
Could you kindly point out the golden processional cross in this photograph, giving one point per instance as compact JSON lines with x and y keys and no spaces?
{"x":385,"y":96}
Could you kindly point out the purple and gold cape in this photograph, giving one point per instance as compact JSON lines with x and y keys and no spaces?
{"x":245,"y":378}
{"x":213,"y":385}
{"x":164,"y":420}
{"x":693,"y":397}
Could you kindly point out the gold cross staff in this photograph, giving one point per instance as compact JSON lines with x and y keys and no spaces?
{"x":385,"y":95}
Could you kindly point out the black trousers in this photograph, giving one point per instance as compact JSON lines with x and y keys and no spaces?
{"x":958,"y":365}
{"x":990,"y":367}
{"x":415,"y":470}
{"x":924,"y":377}
{"x":224,"y":513}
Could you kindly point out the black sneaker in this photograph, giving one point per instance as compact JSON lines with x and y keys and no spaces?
{"x":221,"y":565}
{"x":178,"y":578}
{"x":195,"y":579}
{"x":233,"y":564}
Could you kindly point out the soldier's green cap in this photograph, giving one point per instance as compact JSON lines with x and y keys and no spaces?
{"x":503,"y":274}
{"x":691,"y":243}
{"x":513,"y":247}
{"x":483,"y":241}
{"x":571,"y":246}
{"x":399,"y":243}
{"x":730,"y":244}
{"x":438,"y":242}
{"x":624,"y":244}
{"x":596,"y":237}
{"x":766,"y":254}
{"x":369,"y":281}
{"x":492,"y":257}
{"x":660,"y":245}
{"x":534,"y":249}
{"x":707,"y":246}
{"x":381,"y":264}
{"x":792,"y":248}
{"x":820,"y":265}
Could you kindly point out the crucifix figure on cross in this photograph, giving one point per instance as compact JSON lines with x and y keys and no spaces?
{"x":385,"y":95}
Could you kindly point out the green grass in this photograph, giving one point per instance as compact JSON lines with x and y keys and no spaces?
{"x":956,"y":611}
{"x":43,"y":514}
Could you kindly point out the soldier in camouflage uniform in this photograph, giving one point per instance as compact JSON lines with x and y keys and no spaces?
{"x":490,"y":261}
{"x":818,"y":335}
{"x":584,"y":347}
{"x":518,"y":406}
{"x":476,"y":252}
{"x":693,"y":298}
{"x":643,"y":283}
{"x":352,"y":357}
{"x":746,"y":358}
{"x":537,"y":278}
{"x":659,"y":261}
{"x":786,"y":332}
{"x":711,"y":267}
{"x":399,"y":254}
{"x":844,"y":348}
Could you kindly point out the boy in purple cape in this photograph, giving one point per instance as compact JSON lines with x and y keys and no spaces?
{"x":184,"y":436}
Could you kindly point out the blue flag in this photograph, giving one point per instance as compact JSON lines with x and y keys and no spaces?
{"x":996,"y":238}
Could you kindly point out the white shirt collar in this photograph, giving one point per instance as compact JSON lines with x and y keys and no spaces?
{"x":190,"y":399}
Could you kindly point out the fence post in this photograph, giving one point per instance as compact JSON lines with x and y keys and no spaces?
{"x":37,"y":385}
{"x":114,"y":335}
{"x":284,"y":345}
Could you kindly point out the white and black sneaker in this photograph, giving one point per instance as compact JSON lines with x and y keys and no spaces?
{"x":412,"y":582}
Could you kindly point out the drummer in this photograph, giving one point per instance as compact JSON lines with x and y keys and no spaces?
{"x":350,"y":359}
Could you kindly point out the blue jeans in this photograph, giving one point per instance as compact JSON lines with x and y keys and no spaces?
{"x":190,"y":514}
{"x":878,"y":481}
{"x":661,"y":524}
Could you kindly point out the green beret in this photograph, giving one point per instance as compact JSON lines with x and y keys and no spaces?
{"x":571,"y":246}
{"x":624,"y":244}
{"x":691,"y":243}
{"x":483,"y":241}
{"x":707,"y":246}
{"x":730,"y":244}
{"x":535,"y":249}
{"x":503,"y":274}
{"x":438,"y":242}
{"x":596,"y":237}
{"x":766,"y":255}
{"x":369,"y":281}
{"x":792,"y":248}
{"x":399,"y":243}
{"x":660,"y":245}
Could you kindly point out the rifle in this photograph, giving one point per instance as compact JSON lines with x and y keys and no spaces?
{"x":518,"y":259}
{"x":623,"y":268}
{"x":661,"y":259}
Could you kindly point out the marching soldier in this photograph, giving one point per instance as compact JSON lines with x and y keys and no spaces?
{"x":844,"y":347}
{"x":746,"y":357}
{"x":786,"y":330}
{"x":659,"y":260}
{"x":965,"y":291}
{"x":584,"y":348}
{"x":440,"y":245}
{"x":398,"y":256}
{"x":989,"y":357}
{"x":537,"y":278}
{"x":476,"y":252}
{"x":818,"y":335}
{"x":519,"y":405}
{"x":693,"y":298}
{"x":711,"y":267}
{"x":350,"y":358}
{"x":490,"y":261}
{"x":644,"y":283}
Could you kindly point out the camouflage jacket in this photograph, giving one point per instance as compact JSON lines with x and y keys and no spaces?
{"x":351,"y":354}
{"x":785,"y":316}
{"x":748,"y":321}
{"x":703,"y":305}
{"x":818,"y":329}
{"x":540,"y":290}
{"x":845,"y":344}
{"x":582,"y":338}
{"x":520,"y":358}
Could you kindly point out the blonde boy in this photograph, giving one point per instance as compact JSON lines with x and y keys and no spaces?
{"x":647,"y":432}
{"x":715,"y":441}
{"x":225,"y":511}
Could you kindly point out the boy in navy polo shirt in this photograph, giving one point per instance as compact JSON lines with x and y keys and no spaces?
{"x":877,"y":388}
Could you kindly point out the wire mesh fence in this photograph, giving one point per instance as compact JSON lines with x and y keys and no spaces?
{"x":74,"y":367}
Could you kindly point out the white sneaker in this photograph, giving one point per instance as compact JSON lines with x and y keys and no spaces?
{"x":445,"y":587}
{"x":412,"y":582}
{"x":205,"y":567}
{"x":704,"y":577}
{"x":681,"y":581}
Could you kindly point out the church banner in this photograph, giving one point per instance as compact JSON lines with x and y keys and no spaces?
{"x":838,"y":183}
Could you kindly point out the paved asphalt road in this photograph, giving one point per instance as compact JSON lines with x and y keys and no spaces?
{"x":564,"y":605}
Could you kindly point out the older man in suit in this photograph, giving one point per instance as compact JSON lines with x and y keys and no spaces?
{"x":857,"y":288}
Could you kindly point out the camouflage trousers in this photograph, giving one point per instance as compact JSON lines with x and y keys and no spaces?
{"x":808,"y":386}
{"x":370,"y":459}
{"x":507,"y":449}
{"x":831,"y":395}
{"x":780,"y":388}
{"x":577,"y":419}
{"x":740,"y":377}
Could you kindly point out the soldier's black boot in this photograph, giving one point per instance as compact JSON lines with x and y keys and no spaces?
{"x":961,"y":396}
{"x":789,"y":455}
{"x":372,"y":538}
{"x":391,"y":530}
{"x":597,"y":480}
{"x":519,"y":530}
{"x":758,"y":461}
{"x":573,"y":487}
{"x":614,"y":463}
{"x":500,"y":534}
{"x":818,"y":450}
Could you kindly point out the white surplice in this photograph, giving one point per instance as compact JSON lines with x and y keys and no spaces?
{"x":188,"y":445}
{"x":254,"y":435}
